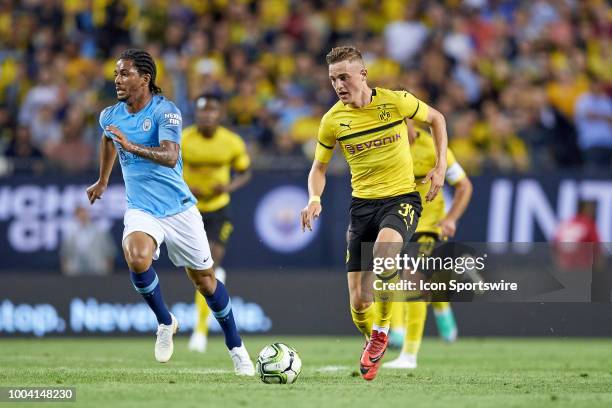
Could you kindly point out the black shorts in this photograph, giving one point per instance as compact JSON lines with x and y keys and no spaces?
{"x":429,"y":244}
{"x":426,"y":243}
{"x":218,"y":225}
{"x":369,"y":216}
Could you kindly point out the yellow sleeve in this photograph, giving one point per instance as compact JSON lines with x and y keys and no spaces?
{"x":326,"y":140}
{"x":454,"y":171}
{"x":241,"y":161}
{"x":517,"y":148}
{"x":411,"y":107}
{"x":186,"y":145}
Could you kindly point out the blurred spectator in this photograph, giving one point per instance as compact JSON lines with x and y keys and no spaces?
{"x":245,"y":105}
{"x":576,"y":240}
{"x":117,"y":16}
{"x":73,"y":152}
{"x":294,"y":108}
{"x":594,"y":124}
{"x":285,"y":146}
{"x":49,"y":14}
{"x":458,"y":44}
{"x":504,"y":151}
{"x":86,"y":248}
{"x":7,"y":127}
{"x":564,"y":90}
{"x":44,"y":94}
{"x":542,"y":14}
{"x":46,"y":129}
{"x":550,"y":135}
{"x":381,"y":69}
{"x":467,"y":77}
{"x":531,"y":60}
{"x":26,"y":157}
{"x":405,"y":38}
{"x":462,"y":144}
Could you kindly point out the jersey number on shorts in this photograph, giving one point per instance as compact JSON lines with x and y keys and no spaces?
{"x":406,"y":211}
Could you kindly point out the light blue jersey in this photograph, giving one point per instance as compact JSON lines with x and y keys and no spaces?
{"x":150,"y":187}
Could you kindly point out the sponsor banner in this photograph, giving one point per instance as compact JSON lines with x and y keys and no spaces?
{"x":528,"y":209}
{"x":36,"y":213}
{"x":273,"y":303}
{"x":42,"y":305}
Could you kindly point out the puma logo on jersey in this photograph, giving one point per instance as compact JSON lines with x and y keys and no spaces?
{"x":347,"y":125}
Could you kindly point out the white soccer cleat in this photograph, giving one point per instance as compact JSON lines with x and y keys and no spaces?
{"x":403,"y":361}
{"x":198,"y":342}
{"x":242,"y":362}
{"x":164,"y":347}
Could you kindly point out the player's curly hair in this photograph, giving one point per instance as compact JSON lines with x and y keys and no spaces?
{"x":144,"y":63}
{"x":342,"y":53}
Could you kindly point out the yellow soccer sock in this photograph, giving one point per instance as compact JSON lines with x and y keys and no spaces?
{"x":363,"y":319}
{"x":440,"y":306}
{"x":383,"y":305}
{"x":203,"y":311}
{"x":397,"y":316}
{"x":415,"y":323}
{"x":382,"y":315}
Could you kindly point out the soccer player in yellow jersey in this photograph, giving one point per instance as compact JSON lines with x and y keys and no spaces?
{"x":368,"y":125}
{"x":435,"y":225}
{"x":210,"y":154}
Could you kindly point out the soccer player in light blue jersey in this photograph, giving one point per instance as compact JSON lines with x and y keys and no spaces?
{"x":145,"y":129}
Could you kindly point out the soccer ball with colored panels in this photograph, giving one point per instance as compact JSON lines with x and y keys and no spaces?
{"x":278,"y":364}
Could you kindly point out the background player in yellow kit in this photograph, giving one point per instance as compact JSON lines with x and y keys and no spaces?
{"x":435,"y":224}
{"x":210,"y":154}
{"x":368,"y":124}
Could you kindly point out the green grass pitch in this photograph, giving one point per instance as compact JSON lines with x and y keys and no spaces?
{"x":489,"y":372}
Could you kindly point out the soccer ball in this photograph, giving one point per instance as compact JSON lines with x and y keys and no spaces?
{"x":278,"y":364}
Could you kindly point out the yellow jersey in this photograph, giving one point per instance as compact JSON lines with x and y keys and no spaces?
{"x":208,"y":162}
{"x":374,"y":141}
{"x":424,"y":155}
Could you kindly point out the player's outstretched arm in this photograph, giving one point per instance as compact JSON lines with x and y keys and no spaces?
{"x":316,"y":185}
{"x":107,"y":160}
{"x":166,"y":154}
{"x":437,"y":174}
{"x":461,"y":199}
{"x":239,"y":180}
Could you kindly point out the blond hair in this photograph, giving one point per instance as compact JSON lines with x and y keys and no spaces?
{"x":343,"y":53}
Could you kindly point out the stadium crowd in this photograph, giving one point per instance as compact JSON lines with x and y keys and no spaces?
{"x":524,"y":85}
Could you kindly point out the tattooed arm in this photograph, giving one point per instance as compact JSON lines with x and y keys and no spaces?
{"x":166,"y":154}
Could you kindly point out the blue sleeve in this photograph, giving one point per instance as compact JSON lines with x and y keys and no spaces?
{"x":105,"y":121}
{"x":169,"y":122}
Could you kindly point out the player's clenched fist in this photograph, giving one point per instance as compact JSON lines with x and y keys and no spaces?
{"x":95,"y":191}
{"x":309,"y":214}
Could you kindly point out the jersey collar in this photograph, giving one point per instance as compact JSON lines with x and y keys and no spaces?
{"x":144,"y":108}
{"x":371,"y":100}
